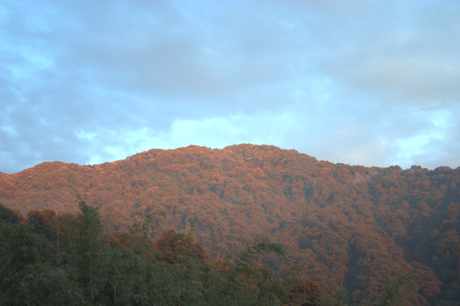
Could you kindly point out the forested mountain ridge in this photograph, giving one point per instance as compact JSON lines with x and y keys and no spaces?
{"x":351,"y":227}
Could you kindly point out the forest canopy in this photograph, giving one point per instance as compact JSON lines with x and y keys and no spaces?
{"x":352,"y":228}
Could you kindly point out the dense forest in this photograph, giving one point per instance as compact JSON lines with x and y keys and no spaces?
{"x":49,"y":259}
{"x":351,"y":228}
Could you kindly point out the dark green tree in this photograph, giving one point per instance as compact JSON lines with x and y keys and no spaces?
{"x":87,"y":251}
{"x":26,"y":277}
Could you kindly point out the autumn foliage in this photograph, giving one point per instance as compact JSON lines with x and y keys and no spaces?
{"x":352,"y":228}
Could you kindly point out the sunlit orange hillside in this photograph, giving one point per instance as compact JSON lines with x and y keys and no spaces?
{"x":348,"y":226}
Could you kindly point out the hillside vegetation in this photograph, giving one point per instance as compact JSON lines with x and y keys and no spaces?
{"x":351,"y":227}
{"x":49,"y":259}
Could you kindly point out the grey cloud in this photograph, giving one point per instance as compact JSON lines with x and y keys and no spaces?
{"x":124,"y":65}
{"x":412,"y":59}
{"x":175,"y":60}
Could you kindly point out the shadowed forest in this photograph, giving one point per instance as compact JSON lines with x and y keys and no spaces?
{"x":351,"y":228}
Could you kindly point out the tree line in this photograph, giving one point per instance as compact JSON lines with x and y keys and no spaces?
{"x":51,"y":259}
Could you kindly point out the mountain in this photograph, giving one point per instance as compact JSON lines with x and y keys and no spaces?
{"x":351,"y":227}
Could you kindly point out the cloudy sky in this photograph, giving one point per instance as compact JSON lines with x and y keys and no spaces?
{"x":374,"y":83}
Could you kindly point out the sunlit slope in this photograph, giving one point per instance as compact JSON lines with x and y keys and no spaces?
{"x":348,"y":226}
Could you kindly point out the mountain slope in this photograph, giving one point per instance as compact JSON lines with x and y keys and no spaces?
{"x":351,"y":227}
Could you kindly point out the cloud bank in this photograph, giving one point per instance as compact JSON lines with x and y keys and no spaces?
{"x":374,"y":83}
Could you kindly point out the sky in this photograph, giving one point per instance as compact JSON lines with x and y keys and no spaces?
{"x":373,"y":83}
